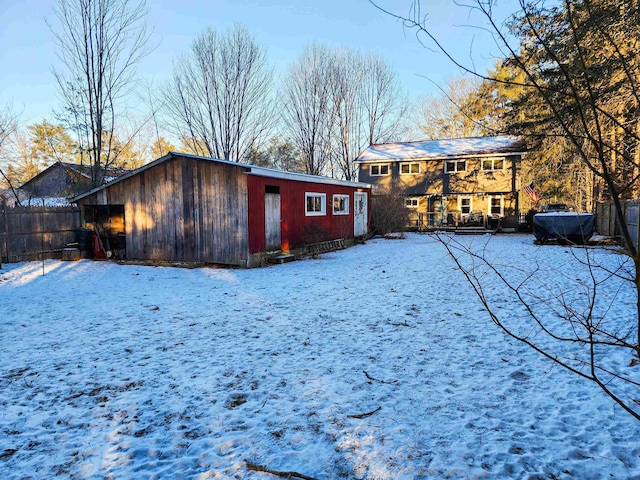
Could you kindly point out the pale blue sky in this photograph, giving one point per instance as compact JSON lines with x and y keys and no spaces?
{"x":284,"y":27}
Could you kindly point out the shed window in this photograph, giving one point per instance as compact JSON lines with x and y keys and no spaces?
{"x":409,"y":168}
{"x":341,"y":204}
{"x":455,"y":166}
{"x":380,"y":169}
{"x":316,"y":204}
{"x":491,"y":164}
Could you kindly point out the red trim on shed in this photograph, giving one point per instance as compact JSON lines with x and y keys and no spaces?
{"x":298,"y":229}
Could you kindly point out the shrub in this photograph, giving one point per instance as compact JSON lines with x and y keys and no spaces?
{"x":389,"y":214}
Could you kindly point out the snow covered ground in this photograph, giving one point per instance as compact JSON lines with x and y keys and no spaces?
{"x":111,"y":371}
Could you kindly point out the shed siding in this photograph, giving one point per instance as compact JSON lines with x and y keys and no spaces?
{"x":184,"y":209}
{"x":297,"y":228}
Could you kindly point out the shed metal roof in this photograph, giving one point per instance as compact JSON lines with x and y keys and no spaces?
{"x":249,"y":169}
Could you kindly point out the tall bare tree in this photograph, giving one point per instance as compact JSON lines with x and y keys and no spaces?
{"x":306,"y":100}
{"x":347,"y":132}
{"x":576,"y":65}
{"x":8,"y":127}
{"x":219,"y":96}
{"x":99,"y":44}
{"x":8,"y":123}
{"x":461,"y":110}
{"x":338,"y":102}
{"x":367,"y":105}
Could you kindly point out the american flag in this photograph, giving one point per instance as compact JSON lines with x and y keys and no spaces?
{"x":531,"y":190}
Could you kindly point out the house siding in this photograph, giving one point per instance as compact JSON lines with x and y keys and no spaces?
{"x":437,"y":192}
{"x":433,"y":180}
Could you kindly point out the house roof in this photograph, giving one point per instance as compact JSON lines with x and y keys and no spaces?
{"x":85,"y":170}
{"x":249,"y":169}
{"x":437,"y":149}
{"x":57,"y":164}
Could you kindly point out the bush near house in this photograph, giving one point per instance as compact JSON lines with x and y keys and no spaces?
{"x":388,"y":214}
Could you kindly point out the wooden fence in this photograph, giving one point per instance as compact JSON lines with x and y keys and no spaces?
{"x":34,"y":233}
{"x":607,"y":224}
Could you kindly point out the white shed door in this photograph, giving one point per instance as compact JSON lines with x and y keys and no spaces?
{"x":272,"y":221}
{"x":359,"y":214}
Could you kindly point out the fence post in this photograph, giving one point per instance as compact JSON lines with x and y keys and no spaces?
{"x":637,"y":220}
{"x":6,"y":234}
{"x":637,"y":224}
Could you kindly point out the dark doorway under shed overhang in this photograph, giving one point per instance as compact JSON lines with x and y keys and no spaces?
{"x":107,"y":222}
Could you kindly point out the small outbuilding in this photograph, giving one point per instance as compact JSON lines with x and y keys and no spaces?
{"x":64,"y":180}
{"x":189,"y":208}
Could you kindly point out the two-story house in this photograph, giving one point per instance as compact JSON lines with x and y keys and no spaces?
{"x":454,"y":182}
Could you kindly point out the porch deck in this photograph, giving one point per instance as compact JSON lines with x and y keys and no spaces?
{"x":460,"y":230}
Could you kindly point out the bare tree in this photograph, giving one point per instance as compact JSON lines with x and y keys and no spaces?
{"x":154,"y":144}
{"x":219,"y":96}
{"x":306,"y":107}
{"x":573,"y":62}
{"x":8,"y":127}
{"x":384,"y":103}
{"x":99,"y":44}
{"x":459,"y":111}
{"x":367,"y":105}
{"x":338,"y":102}
{"x":8,"y":123}
{"x":347,"y":132}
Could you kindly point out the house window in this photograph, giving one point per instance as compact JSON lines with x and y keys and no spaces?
{"x":409,"y":168}
{"x":380,"y":169}
{"x":412,"y":202}
{"x":455,"y":166}
{"x":464,"y":205}
{"x":496,"y":206}
{"x":341,"y":204}
{"x":316,"y":204}
{"x":491,"y":164}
